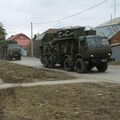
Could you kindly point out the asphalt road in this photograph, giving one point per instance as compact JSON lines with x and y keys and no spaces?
{"x":111,"y":75}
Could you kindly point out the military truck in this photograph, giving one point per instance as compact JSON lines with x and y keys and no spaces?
{"x":10,"y":50}
{"x":76,"y":49}
{"x":13,"y":52}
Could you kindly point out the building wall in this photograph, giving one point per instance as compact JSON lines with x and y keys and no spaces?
{"x":115,"y":39}
{"x":23,"y":41}
{"x":116,"y":52}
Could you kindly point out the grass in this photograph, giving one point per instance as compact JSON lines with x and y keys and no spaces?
{"x":13,"y":73}
{"x":88,"y":101}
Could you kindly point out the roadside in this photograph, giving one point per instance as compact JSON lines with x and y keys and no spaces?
{"x":115,"y":63}
{"x":14,"y":73}
{"x":111,"y":75}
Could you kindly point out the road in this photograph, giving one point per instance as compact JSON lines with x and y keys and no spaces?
{"x":111,"y":75}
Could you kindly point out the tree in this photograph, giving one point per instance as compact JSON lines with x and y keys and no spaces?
{"x":2,"y":32}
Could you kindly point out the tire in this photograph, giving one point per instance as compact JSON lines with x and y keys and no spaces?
{"x":44,"y":61}
{"x":102,"y":67}
{"x":68,"y":64}
{"x":80,"y":66}
{"x":51,"y":62}
{"x":19,"y":57}
{"x":89,"y":67}
{"x":9,"y":58}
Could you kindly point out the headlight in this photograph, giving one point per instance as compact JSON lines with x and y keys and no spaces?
{"x":109,"y":54}
{"x":92,"y":55}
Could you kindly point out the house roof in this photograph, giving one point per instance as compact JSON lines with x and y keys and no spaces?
{"x":13,"y":37}
{"x":117,"y":35}
{"x":21,"y":42}
{"x":115,"y":21}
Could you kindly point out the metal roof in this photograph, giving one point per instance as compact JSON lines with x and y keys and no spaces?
{"x":115,"y":21}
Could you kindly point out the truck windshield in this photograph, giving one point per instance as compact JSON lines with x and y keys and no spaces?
{"x":97,"y":41}
{"x":13,"y":46}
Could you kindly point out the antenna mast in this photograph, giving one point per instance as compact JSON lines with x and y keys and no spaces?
{"x":114,"y":8}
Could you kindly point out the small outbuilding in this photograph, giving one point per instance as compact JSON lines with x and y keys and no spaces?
{"x":115,"y":44}
{"x":111,"y":30}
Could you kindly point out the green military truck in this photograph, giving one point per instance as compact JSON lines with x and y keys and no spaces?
{"x":10,"y":50}
{"x":76,"y":49}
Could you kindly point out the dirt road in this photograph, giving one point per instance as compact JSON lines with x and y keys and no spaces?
{"x":111,"y":75}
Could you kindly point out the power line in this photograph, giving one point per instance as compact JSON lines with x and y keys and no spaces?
{"x":81,"y":12}
{"x":20,"y":29}
{"x":84,"y":10}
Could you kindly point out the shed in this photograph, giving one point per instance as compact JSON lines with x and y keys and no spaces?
{"x":116,"y":51}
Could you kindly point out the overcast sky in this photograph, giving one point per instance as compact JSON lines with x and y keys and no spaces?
{"x":16,"y":16}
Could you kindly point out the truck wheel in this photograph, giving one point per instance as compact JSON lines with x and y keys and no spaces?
{"x":102,"y":67}
{"x":51,"y":62}
{"x":20,"y":58}
{"x":68,"y":64}
{"x":8,"y":58}
{"x":89,"y":67}
{"x":45,"y":61}
{"x":80,"y":66}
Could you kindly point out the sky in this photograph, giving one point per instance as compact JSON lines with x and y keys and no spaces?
{"x":16,"y":16}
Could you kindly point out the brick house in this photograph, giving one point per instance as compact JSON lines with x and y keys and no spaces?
{"x":115,"y":43}
{"x":22,"y":40}
{"x":116,"y":38}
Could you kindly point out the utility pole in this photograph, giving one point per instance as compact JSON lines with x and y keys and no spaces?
{"x":114,"y":8}
{"x":31,"y":39}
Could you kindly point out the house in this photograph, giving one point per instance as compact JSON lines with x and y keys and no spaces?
{"x":111,"y":30}
{"x":22,"y":40}
{"x":115,"y":44}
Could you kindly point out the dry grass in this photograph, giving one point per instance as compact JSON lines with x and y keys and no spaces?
{"x":13,"y":73}
{"x":64,"y":102}
{"x":115,"y":63}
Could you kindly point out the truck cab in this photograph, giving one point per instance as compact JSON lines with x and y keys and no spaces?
{"x":95,"y":47}
{"x":13,"y":52}
{"x":94,"y":51}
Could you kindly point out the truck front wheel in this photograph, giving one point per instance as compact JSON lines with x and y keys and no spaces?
{"x":68,"y":64}
{"x":102,"y":67}
{"x":51,"y":62}
{"x":80,"y":66}
{"x":44,"y":61}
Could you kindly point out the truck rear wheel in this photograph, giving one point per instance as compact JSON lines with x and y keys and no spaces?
{"x":51,"y":62}
{"x":68,"y":64}
{"x":102,"y":67}
{"x":80,"y":66}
